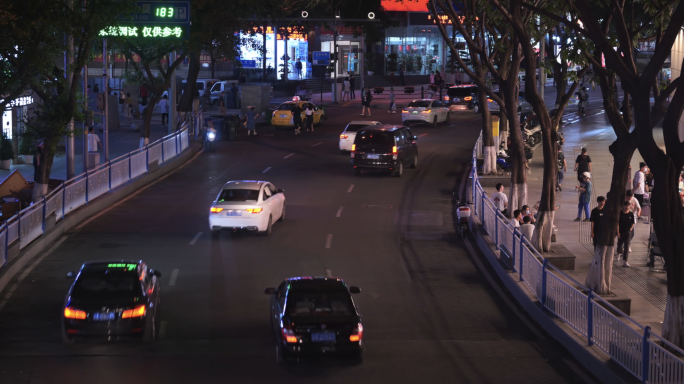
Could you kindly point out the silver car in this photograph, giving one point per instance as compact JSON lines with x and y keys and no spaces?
{"x":523,"y":105}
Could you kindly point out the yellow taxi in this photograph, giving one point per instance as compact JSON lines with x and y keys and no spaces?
{"x":282,"y":117}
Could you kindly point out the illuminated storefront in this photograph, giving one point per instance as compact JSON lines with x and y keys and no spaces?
{"x":297,"y":48}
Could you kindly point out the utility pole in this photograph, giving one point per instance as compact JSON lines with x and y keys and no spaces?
{"x":85,"y":112}
{"x":263,"y":58}
{"x":362,"y":54}
{"x":172,"y":95}
{"x":105,"y":111}
{"x":69,"y":139}
{"x":334,"y":87}
{"x":542,"y":71}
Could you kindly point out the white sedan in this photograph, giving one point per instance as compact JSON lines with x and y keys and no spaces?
{"x":247,"y":204}
{"x":349,"y":134}
{"x":426,"y":110}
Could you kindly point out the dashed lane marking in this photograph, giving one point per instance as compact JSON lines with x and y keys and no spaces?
{"x":339,"y":212}
{"x":174,"y":276}
{"x":317,"y":144}
{"x":422,"y":135}
{"x":266,"y":170}
{"x":350,"y":188}
{"x":328,"y":273}
{"x":328,"y":241}
{"x":194,"y":239}
{"x":291,"y":154}
{"x":162,"y":329}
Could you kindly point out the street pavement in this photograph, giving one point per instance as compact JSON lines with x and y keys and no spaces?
{"x":430,"y":315}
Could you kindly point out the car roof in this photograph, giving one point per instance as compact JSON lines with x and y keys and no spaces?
{"x":383,"y":127}
{"x":304,"y":283}
{"x":124,"y":265}
{"x":367,"y":122}
{"x":244,"y":184}
{"x":464,"y":86}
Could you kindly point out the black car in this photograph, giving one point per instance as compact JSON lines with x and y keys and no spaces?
{"x":315,"y":316}
{"x":384,"y":147}
{"x":462,"y":98}
{"x":114,"y":300}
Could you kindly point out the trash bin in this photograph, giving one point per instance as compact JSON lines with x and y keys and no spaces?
{"x":231,"y":126}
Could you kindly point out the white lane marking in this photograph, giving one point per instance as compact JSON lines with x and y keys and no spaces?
{"x":350,"y":188}
{"x":291,"y":154}
{"x":422,"y":135}
{"x":266,"y":170}
{"x":339,"y":212}
{"x":174,"y":276}
{"x":143,"y":188}
{"x":28,"y":270}
{"x":328,"y":273}
{"x":194,"y":239}
{"x":162,"y":329}
{"x":328,"y":241}
{"x":317,"y":144}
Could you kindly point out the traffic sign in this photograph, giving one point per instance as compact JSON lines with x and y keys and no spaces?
{"x":248,"y":63}
{"x":160,"y":12}
{"x":321,"y":58}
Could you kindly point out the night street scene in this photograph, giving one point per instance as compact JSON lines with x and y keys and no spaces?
{"x":336,"y":191}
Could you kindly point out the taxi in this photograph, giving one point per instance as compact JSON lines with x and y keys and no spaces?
{"x":282,"y":117}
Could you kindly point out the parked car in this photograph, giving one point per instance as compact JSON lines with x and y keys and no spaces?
{"x":523,"y":106}
{"x":221,"y":86}
{"x":384,"y":147}
{"x":203,"y":85}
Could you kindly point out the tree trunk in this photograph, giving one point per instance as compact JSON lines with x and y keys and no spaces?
{"x":518,"y":194}
{"x":488,"y":146}
{"x":561,"y":82}
{"x":191,"y":83}
{"x":541,"y":239}
{"x":147,"y":118}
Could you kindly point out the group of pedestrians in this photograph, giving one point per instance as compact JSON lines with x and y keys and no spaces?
{"x":348,"y":92}
{"x":297,"y":118}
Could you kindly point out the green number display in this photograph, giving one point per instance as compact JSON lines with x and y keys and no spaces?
{"x":164,"y":12}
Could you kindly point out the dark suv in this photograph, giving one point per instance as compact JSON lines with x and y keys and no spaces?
{"x":462,"y":98}
{"x":384,"y":147}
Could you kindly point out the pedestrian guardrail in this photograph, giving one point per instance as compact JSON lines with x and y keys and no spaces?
{"x":29,"y":223}
{"x":648,"y":357}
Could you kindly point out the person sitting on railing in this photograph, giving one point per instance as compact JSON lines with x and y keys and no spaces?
{"x":527,"y":228}
{"x":517,"y":216}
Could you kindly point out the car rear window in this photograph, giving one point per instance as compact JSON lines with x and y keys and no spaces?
{"x":239,"y":195}
{"x":319,"y":304}
{"x":419,"y":104}
{"x":355,"y":127}
{"x":461,"y":92}
{"x":107,"y":285}
{"x":374,"y":137}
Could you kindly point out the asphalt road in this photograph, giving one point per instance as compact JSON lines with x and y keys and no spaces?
{"x":430,"y":316}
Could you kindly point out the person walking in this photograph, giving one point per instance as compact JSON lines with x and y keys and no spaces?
{"x":164,"y":107}
{"x":122,"y":100}
{"x":352,"y":83}
{"x":432,"y":77}
{"x":596,"y":217}
{"x":500,"y":199}
{"x":129,"y":106}
{"x":345,"y":90}
{"x":634,"y":207}
{"x":582,"y":164}
{"x":94,"y":143}
{"x":222,"y":103}
{"x":367,"y":97}
{"x":234,"y":94}
{"x":438,"y":79}
{"x":37,"y":153}
{"x":309,"y":111}
{"x":392,"y":105}
{"x":625,"y":226}
{"x":583,"y":99}
{"x":297,"y":118}
{"x":639,"y":183}
{"x":562,"y":168}
{"x":584,"y":197}
{"x":251,"y":121}
{"x":298,"y":68}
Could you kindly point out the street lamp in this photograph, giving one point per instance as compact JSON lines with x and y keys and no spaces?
{"x":337,"y":14}
{"x":305,"y":14}
{"x":371,"y":15}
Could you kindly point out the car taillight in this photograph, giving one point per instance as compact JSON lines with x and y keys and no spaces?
{"x":404,"y":111}
{"x":344,"y":136}
{"x":215,"y":210}
{"x":254,"y":210}
{"x":426,"y":111}
{"x":467,"y":98}
{"x":71,"y":313}
{"x":288,"y":335}
{"x":353,"y":147}
{"x":490,"y":100}
{"x":138,"y":311}
{"x":394,"y":149}
{"x":446,"y":98}
{"x":357,"y":334}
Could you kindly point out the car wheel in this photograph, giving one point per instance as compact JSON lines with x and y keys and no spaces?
{"x":476,"y":109}
{"x":282,"y":215}
{"x":269,"y":228}
{"x":150,"y":331}
{"x":415,"y":161}
{"x":357,"y":171}
{"x":400,"y":169}
{"x":434,"y":122}
{"x":66,"y":338}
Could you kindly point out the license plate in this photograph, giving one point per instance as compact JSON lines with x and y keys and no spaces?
{"x":283,"y":116}
{"x":234,"y":213}
{"x":322,"y":336}
{"x":372,"y":156}
{"x":414,"y":112}
{"x":104,"y":316}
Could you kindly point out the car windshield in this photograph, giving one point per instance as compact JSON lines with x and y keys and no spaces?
{"x":355,"y":127}
{"x":319,"y":304}
{"x":374,"y":137}
{"x":461,"y":92}
{"x":107,"y":284}
{"x":419,"y":104}
{"x":238,"y":195}
{"x":286,"y":107}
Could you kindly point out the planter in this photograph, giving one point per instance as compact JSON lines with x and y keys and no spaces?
{"x":370,"y":73}
{"x":378,"y":90}
{"x":27,"y":159}
{"x":409,"y":90}
{"x":5,"y":164}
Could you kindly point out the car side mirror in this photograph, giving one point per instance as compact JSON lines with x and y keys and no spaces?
{"x":269,"y":291}
{"x":155,"y":272}
{"x":281,"y":191}
{"x":354,"y":289}
{"x":70,"y":275}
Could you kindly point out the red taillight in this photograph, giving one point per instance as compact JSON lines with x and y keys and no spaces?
{"x":353,"y":147}
{"x":138,"y":311}
{"x":344,"y":136}
{"x":426,"y":111}
{"x":215,"y":210}
{"x":490,"y":100}
{"x":288,"y":335}
{"x":71,"y":313}
{"x":404,"y":111}
{"x":446,"y":98}
{"x":394,"y":149}
{"x":467,"y":98}
{"x":357,"y":335}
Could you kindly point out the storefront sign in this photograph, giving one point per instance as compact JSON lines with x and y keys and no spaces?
{"x":146,"y":31}
{"x":118,"y":58}
{"x":404,"y":6}
{"x":321,"y":58}
{"x":164,"y":12}
{"x":19,"y":102}
{"x":293,"y":33}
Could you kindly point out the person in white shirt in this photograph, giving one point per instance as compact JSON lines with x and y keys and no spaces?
{"x":345,"y":90}
{"x":94,"y":143}
{"x":164,"y":106}
{"x":639,"y":183}
{"x":500,"y":199}
{"x":527,"y":229}
{"x":517,"y":216}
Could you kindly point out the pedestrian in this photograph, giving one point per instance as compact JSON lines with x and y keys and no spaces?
{"x":94,"y":143}
{"x":562,"y":168}
{"x":309,"y":111}
{"x":392,"y":105}
{"x":596,"y":217}
{"x":639,"y":183}
{"x":122,"y":101}
{"x":432,"y":77}
{"x":352,"y":82}
{"x":401,"y":75}
{"x":251,"y":121}
{"x":37,"y":153}
{"x":438,"y":79}
{"x":297,"y":118}
{"x":367,"y":98}
{"x":583,"y":99}
{"x":129,"y":106}
{"x":164,"y":107}
{"x":222,"y":103}
{"x":234,"y":93}
{"x":517,"y":216}
{"x":96,"y":88}
{"x":298,"y":68}
{"x":143,"y":95}
{"x":525,"y":211}
{"x":500,"y":199}
{"x":634,"y":207}
{"x":582,"y":164}
{"x":527,"y":229}
{"x":584,"y":197}
{"x":625,"y":227}
{"x":345,"y":90}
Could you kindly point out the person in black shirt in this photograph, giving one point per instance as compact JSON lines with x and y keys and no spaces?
{"x":625,"y":225}
{"x":297,"y":118}
{"x":352,"y":81}
{"x":596,"y":217}
{"x":582,"y":164}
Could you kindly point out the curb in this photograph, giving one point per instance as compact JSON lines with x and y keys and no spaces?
{"x":84,"y":212}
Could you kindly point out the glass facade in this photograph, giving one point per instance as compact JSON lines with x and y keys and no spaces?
{"x":297,"y":48}
{"x":418,"y":49}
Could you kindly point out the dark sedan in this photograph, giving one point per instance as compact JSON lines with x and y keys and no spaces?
{"x":315,"y":316}
{"x":111,"y":300}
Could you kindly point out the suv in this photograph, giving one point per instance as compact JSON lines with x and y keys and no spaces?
{"x":462,"y":98}
{"x":385,"y":147}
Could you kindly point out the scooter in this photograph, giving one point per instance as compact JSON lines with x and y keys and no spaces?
{"x":463,"y":215}
{"x":501,"y":163}
{"x":209,"y":139}
{"x":533,"y":134}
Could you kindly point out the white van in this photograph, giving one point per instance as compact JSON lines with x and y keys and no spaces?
{"x":221,"y":86}
{"x":202,"y":85}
